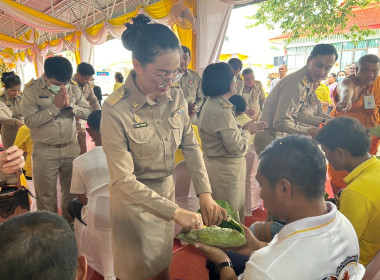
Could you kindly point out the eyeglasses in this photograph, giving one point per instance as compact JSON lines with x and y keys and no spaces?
{"x":163,"y":79}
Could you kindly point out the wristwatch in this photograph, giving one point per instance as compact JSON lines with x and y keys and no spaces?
{"x":223,"y":264}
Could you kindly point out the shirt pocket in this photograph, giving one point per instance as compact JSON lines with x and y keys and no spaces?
{"x":143,"y":143}
{"x":176,"y":126}
{"x":44,"y":102}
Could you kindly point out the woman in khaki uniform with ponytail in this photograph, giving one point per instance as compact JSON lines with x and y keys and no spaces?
{"x":224,"y":142}
{"x":143,"y":123}
{"x":12,"y":99}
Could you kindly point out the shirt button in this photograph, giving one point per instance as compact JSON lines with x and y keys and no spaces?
{"x":144,"y":138}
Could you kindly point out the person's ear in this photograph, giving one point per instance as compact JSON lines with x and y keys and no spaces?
{"x":81,"y":268}
{"x":285,"y":189}
{"x":139,"y":68}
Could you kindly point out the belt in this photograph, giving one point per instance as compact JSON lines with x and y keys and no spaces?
{"x":58,"y":146}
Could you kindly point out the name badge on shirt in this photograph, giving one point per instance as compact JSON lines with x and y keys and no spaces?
{"x":369,"y":102}
{"x":139,"y":125}
{"x":43,"y":96}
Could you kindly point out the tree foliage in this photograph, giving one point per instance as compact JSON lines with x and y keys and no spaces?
{"x":308,"y":18}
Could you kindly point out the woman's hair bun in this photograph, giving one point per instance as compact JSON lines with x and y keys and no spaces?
{"x":7,"y":75}
{"x":129,"y":35}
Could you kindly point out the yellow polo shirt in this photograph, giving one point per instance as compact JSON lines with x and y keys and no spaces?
{"x":360,"y":203}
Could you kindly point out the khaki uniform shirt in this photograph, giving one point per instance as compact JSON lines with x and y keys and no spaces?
{"x":312,"y":112}
{"x":140,"y":138}
{"x":239,"y":85}
{"x":6,"y":114}
{"x":284,"y":103}
{"x":13,"y":104}
{"x":255,"y":98}
{"x":88,"y":93}
{"x":191,"y":85}
{"x":219,"y":131}
{"x":47,"y":123}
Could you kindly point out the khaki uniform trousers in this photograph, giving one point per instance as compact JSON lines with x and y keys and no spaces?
{"x":49,"y":162}
{"x":8,"y":134}
{"x":263,"y":139}
{"x":227,"y":179}
{"x":142,"y":243}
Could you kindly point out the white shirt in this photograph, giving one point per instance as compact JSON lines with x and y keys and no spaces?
{"x":90,"y":171}
{"x":313,"y":248}
{"x":273,"y":83}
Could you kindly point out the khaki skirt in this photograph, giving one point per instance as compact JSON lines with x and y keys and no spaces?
{"x":142,"y":243}
{"x":227,"y":179}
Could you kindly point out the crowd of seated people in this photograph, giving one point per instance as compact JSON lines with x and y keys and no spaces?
{"x":257,"y":151}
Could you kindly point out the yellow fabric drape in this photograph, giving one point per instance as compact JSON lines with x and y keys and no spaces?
{"x":229,"y":55}
{"x":124,"y":18}
{"x":39,"y":15}
{"x":225,"y":56}
{"x":7,"y":39}
{"x":160,"y":9}
{"x":242,"y":56}
{"x":186,"y":36}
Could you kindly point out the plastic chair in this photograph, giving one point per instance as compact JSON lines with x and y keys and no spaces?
{"x":372,"y":270}
{"x":95,"y":240}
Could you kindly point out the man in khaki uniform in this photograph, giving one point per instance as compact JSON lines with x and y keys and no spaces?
{"x":286,"y":99}
{"x":253,"y":93}
{"x":191,"y":85}
{"x":282,"y":69}
{"x":50,"y":106}
{"x":82,"y":79}
{"x":312,"y":112}
{"x":236,"y":66}
{"x":140,"y":137}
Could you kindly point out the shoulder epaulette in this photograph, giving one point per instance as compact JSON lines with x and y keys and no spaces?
{"x":116,"y":96}
{"x":241,"y":77}
{"x":224,"y":104}
{"x":2,"y":93}
{"x":73,"y":82}
{"x":31,"y":82}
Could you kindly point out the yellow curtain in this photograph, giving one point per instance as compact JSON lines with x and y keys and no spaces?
{"x":160,"y":9}
{"x":186,"y":36}
{"x":225,"y":56}
{"x":242,"y":56}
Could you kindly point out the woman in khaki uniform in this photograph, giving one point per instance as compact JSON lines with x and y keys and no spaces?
{"x":224,"y":142}
{"x":143,"y":123}
{"x":11,"y":98}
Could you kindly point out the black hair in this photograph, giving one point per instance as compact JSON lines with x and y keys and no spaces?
{"x":247,"y":71}
{"x":341,"y":71}
{"x":85,"y":69}
{"x":333,"y":74}
{"x":324,"y":49}
{"x":298,"y":159}
{"x":239,"y":102}
{"x":98,"y":93}
{"x":217,"y":79}
{"x":94,"y":119}
{"x":59,"y":68}
{"x":345,"y":133}
{"x":235,"y":63}
{"x":119,"y":77}
{"x":186,"y":50}
{"x":368,"y":58}
{"x":37,"y":245}
{"x":10,"y":79}
{"x":146,"y":41}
